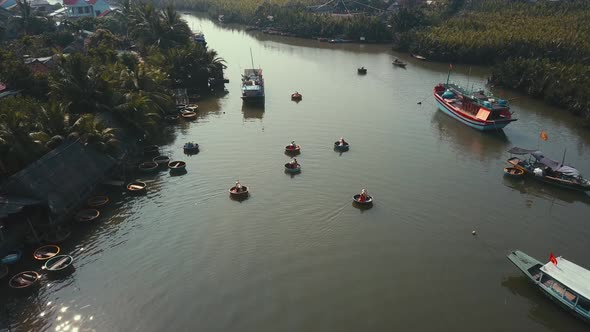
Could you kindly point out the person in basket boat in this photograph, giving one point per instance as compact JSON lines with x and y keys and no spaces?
{"x":292,"y":146}
{"x":239,"y":187}
{"x":293,"y":163}
{"x":364,"y":196}
{"x":342,"y":142}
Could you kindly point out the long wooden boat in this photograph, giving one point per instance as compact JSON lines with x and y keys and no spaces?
{"x":12,"y":257}
{"x":547,"y":170}
{"x":419,"y":57}
{"x":137,"y":187}
{"x":87,"y":215}
{"x":473,"y":108}
{"x":343,"y":147}
{"x":398,"y":63}
{"x":562,"y":281}
{"x":234,"y":192}
{"x":46,"y":252}
{"x":59,"y":264}
{"x":24,"y":280}
{"x":148,"y":166}
{"x":97,"y":201}
{"x":357,"y":199}
{"x":292,"y":168}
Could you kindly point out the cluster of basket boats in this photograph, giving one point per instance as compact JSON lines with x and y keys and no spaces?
{"x":55,"y":264}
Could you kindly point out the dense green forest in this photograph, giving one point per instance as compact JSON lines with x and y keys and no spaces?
{"x":127,"y":68}
{"x":542,"y":49}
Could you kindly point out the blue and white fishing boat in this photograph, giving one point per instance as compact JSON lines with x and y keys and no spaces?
{"x":199,"y":38}
{"x":252,"y":84}
{"x":564,"y":282}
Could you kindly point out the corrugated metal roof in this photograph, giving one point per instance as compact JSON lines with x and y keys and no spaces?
{"x":571,"y":275}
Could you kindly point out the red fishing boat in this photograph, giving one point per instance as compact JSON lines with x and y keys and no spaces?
{"x":473,"y":108}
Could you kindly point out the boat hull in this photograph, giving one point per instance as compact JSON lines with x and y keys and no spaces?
{"x":479,"y":125}
{"x":525,"y":263}
{"x":253,"y":99}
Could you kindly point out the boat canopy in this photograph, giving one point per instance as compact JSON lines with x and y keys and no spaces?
{"x":555,"y":165}
{"x":571,"y":275}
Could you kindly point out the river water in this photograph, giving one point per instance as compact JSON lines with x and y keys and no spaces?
{"x":296,"y":255}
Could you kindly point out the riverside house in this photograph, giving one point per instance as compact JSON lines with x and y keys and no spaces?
{"x":84,"y":8}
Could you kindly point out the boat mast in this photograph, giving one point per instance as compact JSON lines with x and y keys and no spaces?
{"x":563,"y":160}
{"x":252,"y":58}
{"x":449,"y":73}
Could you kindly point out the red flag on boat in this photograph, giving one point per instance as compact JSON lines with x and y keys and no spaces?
{"x":552,"y":259}
{"x":544,"y":135}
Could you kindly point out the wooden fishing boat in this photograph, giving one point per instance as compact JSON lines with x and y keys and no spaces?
{"x":97,"y":201}
{"x":547,"y":170}
{"x":162,"y":161}
{"x":419,"y":57}
{"x":293,"y":149}
{"x":357,"y":199}
{"x":87,"y":215}
{"x":3,"y":271}
{"x":60,"y":264}
{"x":562,"y":281}
{"x":362,"y":70}
{"x":151,"y":149}
{"x":148,"y":166}
{"x":177,"y":166}
{"x":12,"y":257}
{"x":296,"y":96}
{"x":234,"y":192}
{"x":57,"y":236}
{"x":137,"y":187}
{"x":513,"y":172}
{"x":24,"y":280}
{"x":399,"y":63}
{"x":292,"y":168}
{"x":189,"y":115}
{"x":190,"y":148}
{"x":472,"y":108}
{"x":46,"y":252}
{"x":343,"y":147}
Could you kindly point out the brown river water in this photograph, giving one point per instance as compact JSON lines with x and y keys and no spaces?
{"x":297,"y":255}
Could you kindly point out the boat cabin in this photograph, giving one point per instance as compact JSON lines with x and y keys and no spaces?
{"x":567,"y":282}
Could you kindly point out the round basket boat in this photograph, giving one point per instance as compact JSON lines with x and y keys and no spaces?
{"x":148,"y":166}
{"x":180,"y":107}
{"x":97,"y":201}
{"x":289,"y":168}
{"x":137,"y":187}
{"x":161,"y":160}
{"x":293,"y":149}
{"x":46,"y":252}
{"x":189,"y":115}
{"x":296,"y":96}
{"x":150,"y":149}
{"x":339,"y":147}
{"x":3,"y":271}
{"x":191,"y":108}
{"x":362,"y":71}
{"x":171,"y":118}
{"x":356,"y":199}
{"x":177,"y":166}
{"x":190,"y":148}
{"x":59,"y":264}
{"x":12,"y":257}
{"x":87,"y":215}
{"x":57,"y":236}
{"x":513,"y":172}
{"x":24,"y":280}
{"x":234,"y":192}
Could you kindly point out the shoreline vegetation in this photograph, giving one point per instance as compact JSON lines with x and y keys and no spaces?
{"x":540,"y":48}
{"x":118,"y":70}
